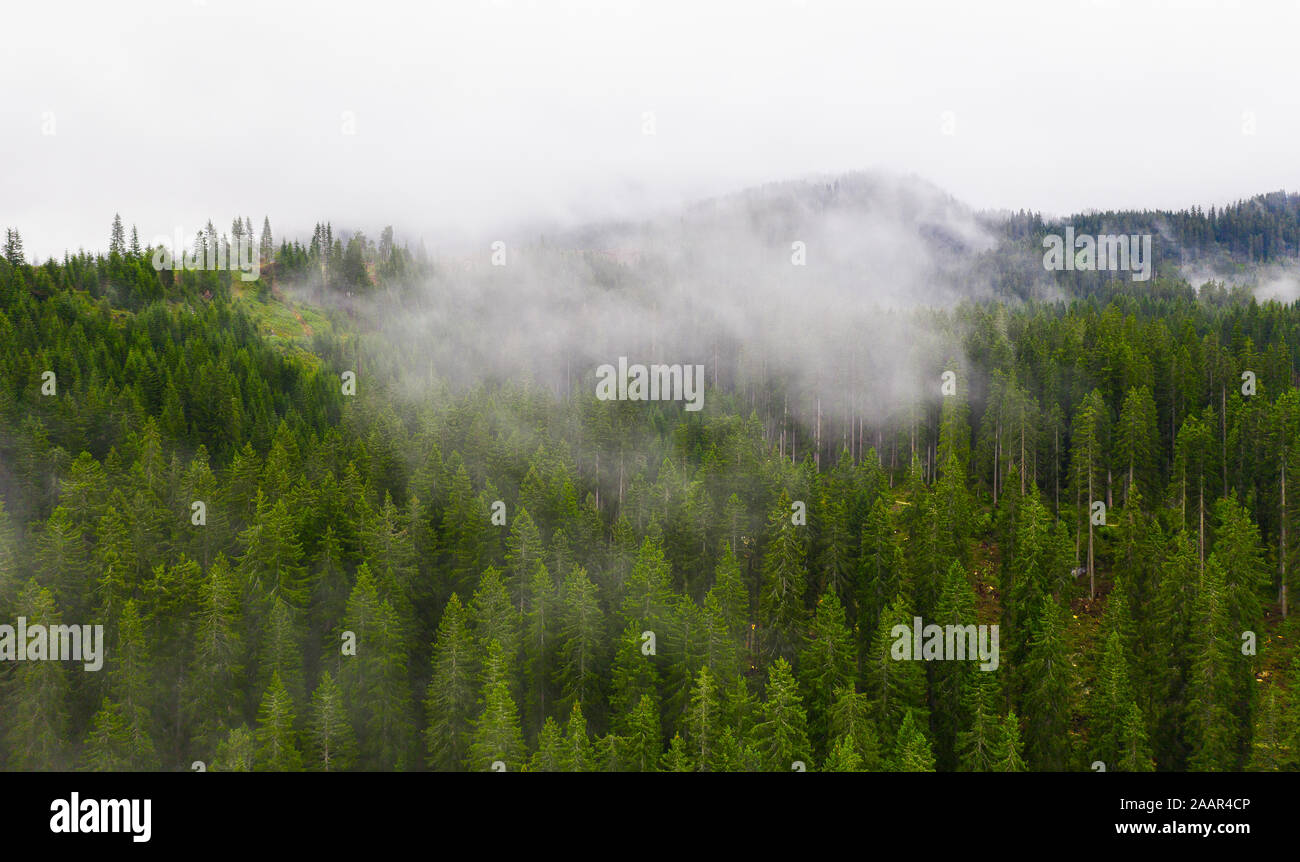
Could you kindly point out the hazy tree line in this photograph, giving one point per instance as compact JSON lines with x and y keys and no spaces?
{"x":349,"y":601}
{"x":1262,"y":230}
{"x":1259,"y":230}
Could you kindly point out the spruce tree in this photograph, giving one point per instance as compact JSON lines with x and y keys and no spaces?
{"x":781,"y":601}
{"x":496,"y":735}
{"x":277,"y":739}
{"x":827,"y":662}
{"x":781,"y":735}
{"x":332,"y":742}
{"x":912,"y":749}
{"x":449,"y":705}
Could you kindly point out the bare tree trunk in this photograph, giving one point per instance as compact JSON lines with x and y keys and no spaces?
{"x":1223,"y":439}
{"x":997,"y":453}
{"x":1282,"y":597}
{"x":817,"y":435}
{"x":1201,"y":530}
{"x":1092,"y":580}
{"x":1078,"y":527}
{"x":911,"y":455}
{"x":1022,"y":452}
{"x":1182,"y":504}
{"x":785,"y":411}
{"x":893,"y":459}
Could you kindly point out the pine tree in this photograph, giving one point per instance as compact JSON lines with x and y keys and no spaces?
{"x":465,"y":532}
{"x":780,"y":604}
{"x":1212,"y":726}
{"x":1138,"y":444}
{"x":108,"y":745}
{"x":881,"y":568}
{"x":978,"y":746}
{"x":850,"y":717}
{"x":117,"y":241}
{"x":129,"y":681}
{"x":1047,"y":701}
{"x":632,"y":677}
{"x":387,"y":736}
{"x":14,"y":248}
{"x":1089,"y":445}
{"x":277,"y":740}
{"x":648,"y":592}
{"x":843,"y":757}
{"x":912,"y":750}
{"x":704,"y":725}
{"x":1270,"y":745}
{"x":781,"y":736}
{"x":642,"y":743}
{"x":1135,"y":754}
{"x":578,"y":671}
{"x":496,"y":735}
{"x":951,"y":681}
{"x":895,"y":686}
{"x":282,"y":649}
{"x":1008,"y":756}
{"x":267,"y":248}
{"x":550,"y":754}
{"x":62,"y":560}
{"x":578,"y":754}
{"x":213,"y":685}
{"x":1108,"y":708}
{"x":333,"y":745}
{"x":449,"y":704}
{"x":826,"y":663}
{"x":730,"y":594}
{"x":272,"y":561}
{"x":237,"y":752}
{"x":677,"y":758}
{"x":494,"y":617}
{"x":524,"y":551}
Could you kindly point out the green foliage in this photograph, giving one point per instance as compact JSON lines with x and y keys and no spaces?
{"x":330,"y":516}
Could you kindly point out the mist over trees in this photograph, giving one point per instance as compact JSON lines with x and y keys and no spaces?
{"x":469,"y":560}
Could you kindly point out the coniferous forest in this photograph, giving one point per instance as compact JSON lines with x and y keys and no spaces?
{"x":324,"y":531}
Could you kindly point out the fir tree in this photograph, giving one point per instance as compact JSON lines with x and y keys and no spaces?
{"x":333,"y":745}
{"x":496,"y":735}
{"x":781,"y":736}
{"x":277,"y":740}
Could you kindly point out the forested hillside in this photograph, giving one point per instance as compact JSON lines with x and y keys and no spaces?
{"x":399,"y":566}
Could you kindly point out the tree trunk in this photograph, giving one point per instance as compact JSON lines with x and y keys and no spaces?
{"x":1282,"y":597}
{"x":1092,"y":579}
{"x":1022,"y":452}
{"x":997,"y":452}
{"x":1201,"y":529}
{"x":1223,"y":439}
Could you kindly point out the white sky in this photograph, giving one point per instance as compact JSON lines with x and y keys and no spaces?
{"x":477,"y":115}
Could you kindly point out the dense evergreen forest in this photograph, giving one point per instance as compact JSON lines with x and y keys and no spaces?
{"x":511,"y":574}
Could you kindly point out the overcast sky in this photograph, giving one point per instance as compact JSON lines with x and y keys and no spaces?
{"x":458,"y":117}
